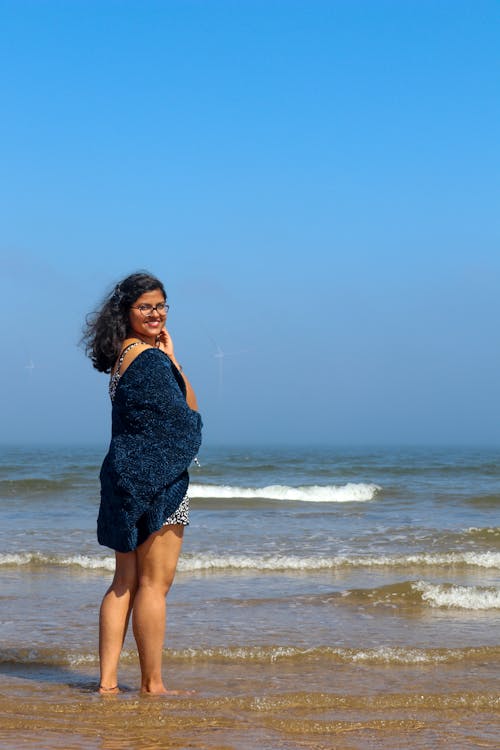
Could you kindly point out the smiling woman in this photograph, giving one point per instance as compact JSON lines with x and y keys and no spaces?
{"x":156,"y":433}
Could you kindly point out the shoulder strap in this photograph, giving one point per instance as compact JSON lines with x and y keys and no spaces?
{"x":122,"y":355}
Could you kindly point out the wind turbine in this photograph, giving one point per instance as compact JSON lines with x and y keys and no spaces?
{"x":219,"y":354}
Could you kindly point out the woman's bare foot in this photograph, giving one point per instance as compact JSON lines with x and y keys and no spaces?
{"x":108,"y":690}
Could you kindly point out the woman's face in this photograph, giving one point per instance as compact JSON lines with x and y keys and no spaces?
{"x":147,"y":323}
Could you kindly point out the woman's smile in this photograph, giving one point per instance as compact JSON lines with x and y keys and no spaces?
{"x":147,"y":324}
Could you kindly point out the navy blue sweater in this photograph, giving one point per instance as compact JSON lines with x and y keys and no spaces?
{"x":155,"y":436}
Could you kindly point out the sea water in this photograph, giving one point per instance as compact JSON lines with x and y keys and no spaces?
{"x":325,"y":597}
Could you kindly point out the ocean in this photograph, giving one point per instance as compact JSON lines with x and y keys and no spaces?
{"x":325,"y":598}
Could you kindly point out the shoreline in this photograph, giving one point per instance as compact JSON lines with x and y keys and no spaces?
{"x":355,"y":706}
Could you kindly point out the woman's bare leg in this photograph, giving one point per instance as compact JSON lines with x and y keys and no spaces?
{"x":156,"y":564}
{"x":113,"y":619}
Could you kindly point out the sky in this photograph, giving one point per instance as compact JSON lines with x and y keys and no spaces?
{"x":315,"y":182}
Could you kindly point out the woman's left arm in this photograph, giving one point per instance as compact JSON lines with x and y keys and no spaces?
{"x":166,"y":344}
{"x":190,"y":394}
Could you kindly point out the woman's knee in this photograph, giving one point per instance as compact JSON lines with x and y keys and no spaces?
{"x":124,"y":584}
{"x":159,"y":582}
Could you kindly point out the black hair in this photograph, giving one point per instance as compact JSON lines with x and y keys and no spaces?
{"x":106,"y":328}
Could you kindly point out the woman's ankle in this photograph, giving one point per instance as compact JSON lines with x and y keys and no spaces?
{"x":153,"y":687}
{"x":112,"y":690}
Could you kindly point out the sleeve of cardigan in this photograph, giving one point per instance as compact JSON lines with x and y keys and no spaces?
{"x":157,"y":434}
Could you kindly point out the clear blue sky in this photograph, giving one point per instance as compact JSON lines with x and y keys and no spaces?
{"x":316,"y":182}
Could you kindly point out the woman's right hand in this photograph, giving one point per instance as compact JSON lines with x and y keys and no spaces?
{"x":165,"y":343}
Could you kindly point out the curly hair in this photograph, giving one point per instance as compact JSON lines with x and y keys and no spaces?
{"x":106,"y":328}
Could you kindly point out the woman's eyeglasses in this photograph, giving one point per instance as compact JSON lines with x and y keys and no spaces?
{"x":161,"y":308}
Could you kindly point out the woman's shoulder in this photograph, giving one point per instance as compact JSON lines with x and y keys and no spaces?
{"x":147,"y":378}
{"x":130,"y":350}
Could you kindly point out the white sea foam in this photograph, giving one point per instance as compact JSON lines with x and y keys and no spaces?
{"x":330,"y":493}
{"x":378,"y":655}
{"x":399,"y":655}
{"x":90,"y":563}
{"x":36,"y":558}
{"x":213,"y":562}
{"x":462,"y":597}
{"x":479,"y":559}
{"x":262,"y":654}
{"x":294,"y":562}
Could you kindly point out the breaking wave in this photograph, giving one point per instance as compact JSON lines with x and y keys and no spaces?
{"x":331,"y":493}
{"x":266,"y":654}
{"x":211,"y":562}
{"x":461,"y":597}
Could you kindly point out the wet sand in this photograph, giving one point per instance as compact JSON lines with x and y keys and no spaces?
{"x":280,"y":705}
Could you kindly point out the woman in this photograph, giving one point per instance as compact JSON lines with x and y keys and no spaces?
{"x":156,"y":433}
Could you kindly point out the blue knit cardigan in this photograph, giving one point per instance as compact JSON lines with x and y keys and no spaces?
{"x":155,"y":436}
